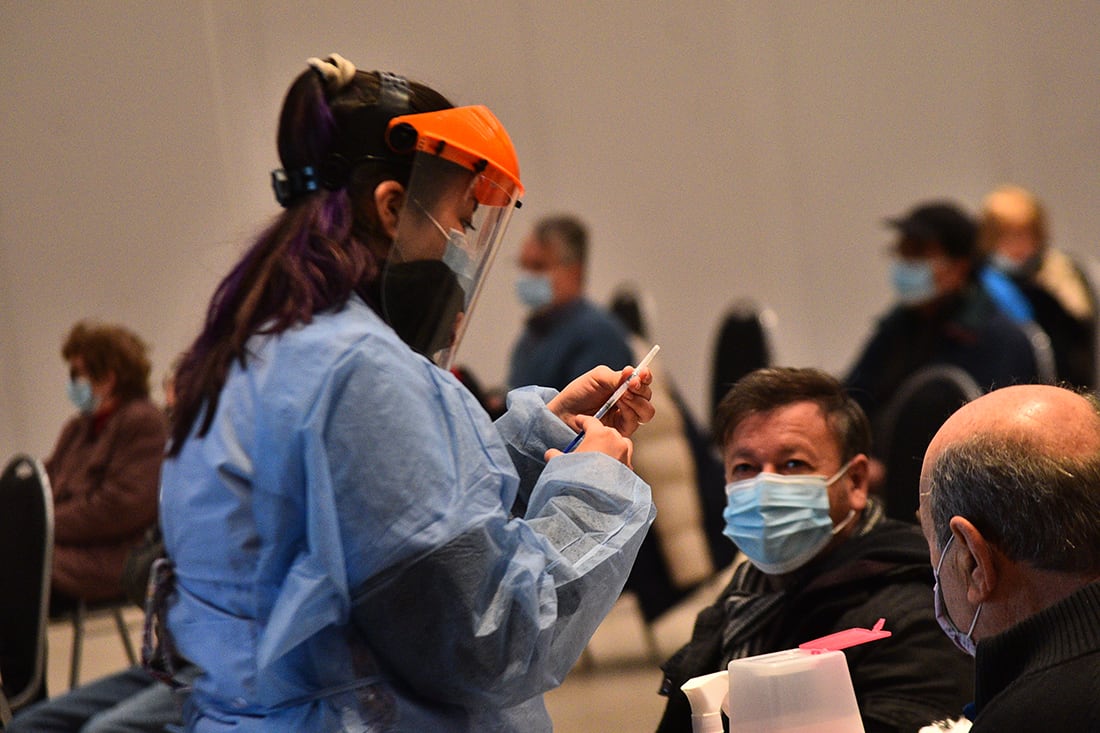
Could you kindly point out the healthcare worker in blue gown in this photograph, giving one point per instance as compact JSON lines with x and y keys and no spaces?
{"x":355,"y":545}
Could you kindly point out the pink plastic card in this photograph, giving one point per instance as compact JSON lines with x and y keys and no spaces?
{"x":844,"y":639}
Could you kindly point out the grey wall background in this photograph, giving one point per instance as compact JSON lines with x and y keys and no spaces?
{"x":718,"y":150}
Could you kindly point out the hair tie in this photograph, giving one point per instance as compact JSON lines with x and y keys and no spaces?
{"x":336,"y":71}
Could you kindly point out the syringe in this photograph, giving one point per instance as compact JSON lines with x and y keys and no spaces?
{"x":616,"y":395}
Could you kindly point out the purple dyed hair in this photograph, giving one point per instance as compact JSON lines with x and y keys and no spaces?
{"x":312,"y":258}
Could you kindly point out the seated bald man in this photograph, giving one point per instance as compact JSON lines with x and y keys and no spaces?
{"x":1010,"y":507}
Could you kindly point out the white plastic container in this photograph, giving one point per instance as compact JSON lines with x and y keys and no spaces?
{"x":792,"y":691}
{"x":803,"y":690}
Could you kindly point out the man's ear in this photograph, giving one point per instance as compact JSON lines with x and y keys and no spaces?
{"x":389,"y":199}
{"x":976,"y":560}
{"x":860,"y":474}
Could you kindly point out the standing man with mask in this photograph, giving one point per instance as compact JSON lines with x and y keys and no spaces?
{"x":1010,"y":507}
{"x":566,"y":334}
{"x":942,"y":314}
{"x":821,"y":557}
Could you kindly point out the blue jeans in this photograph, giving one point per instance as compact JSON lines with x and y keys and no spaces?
{"x":130,"y":701}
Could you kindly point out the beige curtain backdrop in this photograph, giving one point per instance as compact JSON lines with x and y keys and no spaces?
{"x":719,"y":150}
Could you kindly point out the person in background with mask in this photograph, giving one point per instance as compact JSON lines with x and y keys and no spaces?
{"x":942,"y":316}
{"x":1010,"y":508}
{"x":105,"y":467}
{"x":130,"y":700}
{"x":1014,"y":234}
{"x":104,"y":472}
{"x":354,"y":544}
{"x":819,"y":557}
{"x":566,"y":334}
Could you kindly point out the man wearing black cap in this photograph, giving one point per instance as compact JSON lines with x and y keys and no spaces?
{"x":942,"y":314}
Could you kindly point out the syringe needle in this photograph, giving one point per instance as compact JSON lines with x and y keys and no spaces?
{"x":616,"y":395}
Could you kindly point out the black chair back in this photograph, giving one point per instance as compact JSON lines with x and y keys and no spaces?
{"x":26,"y":550}
{"x":1043,"y":351}
{"x":742,"y":345}
{"x":909,"y":422}
{"x":1089,"y":267}
{"x":627,"y":304}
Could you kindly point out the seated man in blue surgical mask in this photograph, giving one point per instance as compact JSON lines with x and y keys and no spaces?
{"x":818,"y":557}
{"x":942,"y":313}
{"x":566,"y":334}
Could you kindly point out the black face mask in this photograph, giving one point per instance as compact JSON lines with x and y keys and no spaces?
{"x":421,"y":301}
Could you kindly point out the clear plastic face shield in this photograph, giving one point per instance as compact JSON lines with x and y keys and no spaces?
{"x":462,"y":190}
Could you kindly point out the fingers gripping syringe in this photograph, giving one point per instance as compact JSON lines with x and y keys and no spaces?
{"x":616,"y":395}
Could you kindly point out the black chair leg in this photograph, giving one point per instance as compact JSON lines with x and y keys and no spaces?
{"x":5,"y":711}
{"x":127,"y":643}
{"x":78,"y":644}
{"x":80,"y":614}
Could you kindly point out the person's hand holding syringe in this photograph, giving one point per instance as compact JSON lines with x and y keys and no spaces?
{"x":631,"y":396}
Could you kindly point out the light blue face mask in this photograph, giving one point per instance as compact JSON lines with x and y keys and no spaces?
{"x":781,"y":522}
{"x":913,"y":281}
{"x":534,"y":291}
{"x":80,"y":394}
{"x":1007,"y":265}
{"x":1015,"y":268}
{"x":456,"y":255}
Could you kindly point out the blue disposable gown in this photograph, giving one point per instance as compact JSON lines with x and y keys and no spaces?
{"x":346,"y":551}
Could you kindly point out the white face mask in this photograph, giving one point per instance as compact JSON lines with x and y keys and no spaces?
{"x":963,"y":641}
{"x":781,"y":522}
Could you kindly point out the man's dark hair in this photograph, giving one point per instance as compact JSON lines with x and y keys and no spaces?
{"x":944,"y":222}
{"x":766,"y":389}
{"x":570,"y":232}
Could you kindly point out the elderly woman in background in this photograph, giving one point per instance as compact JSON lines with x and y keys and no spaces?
{"x":105,"y":468}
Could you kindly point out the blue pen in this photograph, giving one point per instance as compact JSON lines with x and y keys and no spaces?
{"x":616,"y":395}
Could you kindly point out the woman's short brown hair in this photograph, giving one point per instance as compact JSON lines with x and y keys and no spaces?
{"x":111,"y":349}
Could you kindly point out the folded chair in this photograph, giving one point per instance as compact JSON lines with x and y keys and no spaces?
{"x":910,"y":420}
{"x":26,"y":557}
